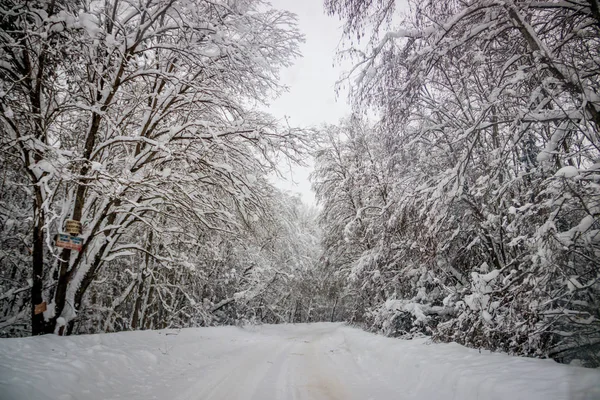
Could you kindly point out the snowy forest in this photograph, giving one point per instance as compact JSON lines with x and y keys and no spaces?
{"x":460,"y":199}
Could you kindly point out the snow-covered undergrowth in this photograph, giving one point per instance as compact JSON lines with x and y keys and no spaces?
{"x":306,"y":361}
{"x":469,"y":209}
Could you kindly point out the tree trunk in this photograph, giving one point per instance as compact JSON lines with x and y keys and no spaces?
{"x":145,"y":322}
{"x":38,"y":325}
{"x":135,"y":319}
{"x":333,"y":309}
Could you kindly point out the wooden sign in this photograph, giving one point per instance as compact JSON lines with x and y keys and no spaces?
{"x":69,"y":242}
{"x":40,"y":308}
{"x":73,"y":227}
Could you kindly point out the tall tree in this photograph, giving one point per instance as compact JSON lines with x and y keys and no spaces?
{"x":129,"y":113}
{"x":490,"y":110}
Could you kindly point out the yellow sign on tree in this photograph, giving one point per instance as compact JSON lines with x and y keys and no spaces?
{"x":73,"y":227}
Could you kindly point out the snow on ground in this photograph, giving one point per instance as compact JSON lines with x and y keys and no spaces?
{"x":306,"y":361}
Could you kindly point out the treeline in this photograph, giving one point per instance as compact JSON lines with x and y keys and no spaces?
{"x":139,"y":119}
{"x":470,"y":210}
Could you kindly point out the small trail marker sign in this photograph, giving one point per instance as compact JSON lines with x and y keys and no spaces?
{"x":40,"y":308}
{"x":69,"y":242}
{"x":73,"y":227}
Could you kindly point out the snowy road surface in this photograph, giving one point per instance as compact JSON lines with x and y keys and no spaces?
{"x":306,"y":361}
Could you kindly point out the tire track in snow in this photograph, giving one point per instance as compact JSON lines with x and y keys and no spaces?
{"x":239,"y":376}
{"x":322,"y":383}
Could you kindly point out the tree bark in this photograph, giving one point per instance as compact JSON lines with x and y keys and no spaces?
{"x":38,"y":325}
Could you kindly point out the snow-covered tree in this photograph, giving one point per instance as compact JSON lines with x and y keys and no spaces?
{"x":282,"y":281}
{"x":489,"y":113}
{"x":350,"y":182}
{"x":137,"y":118}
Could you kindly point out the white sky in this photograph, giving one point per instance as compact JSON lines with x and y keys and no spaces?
{"x":311,"y":100}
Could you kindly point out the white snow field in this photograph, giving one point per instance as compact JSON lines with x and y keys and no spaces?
{"x":306,"y":361}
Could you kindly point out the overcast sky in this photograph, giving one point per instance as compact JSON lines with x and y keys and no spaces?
{"x":311,"y":100}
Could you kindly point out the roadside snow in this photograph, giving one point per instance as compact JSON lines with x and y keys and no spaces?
{"x":314,"y":361}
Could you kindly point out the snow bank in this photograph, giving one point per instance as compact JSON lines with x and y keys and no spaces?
{"x":451,"y":371}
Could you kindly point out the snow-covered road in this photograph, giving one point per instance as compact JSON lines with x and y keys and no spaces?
{"x":313,"y":361}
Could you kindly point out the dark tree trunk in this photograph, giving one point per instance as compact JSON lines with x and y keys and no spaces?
{"x":135,"y":319}
{"x":38,"y":325}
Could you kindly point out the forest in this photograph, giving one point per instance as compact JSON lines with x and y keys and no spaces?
{"x":460,"y":199}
